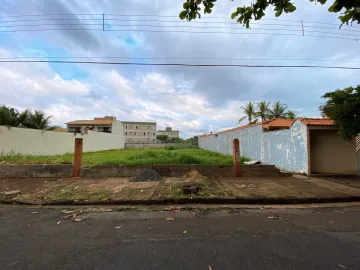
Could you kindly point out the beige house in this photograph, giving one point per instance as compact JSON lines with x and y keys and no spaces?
{"x":139,"y":131}
{"x":169,"y":132}
{"x":107,"y":124}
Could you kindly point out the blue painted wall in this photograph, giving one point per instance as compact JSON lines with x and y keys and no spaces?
{"x":286,"y":149}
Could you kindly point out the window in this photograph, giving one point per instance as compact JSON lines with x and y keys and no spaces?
{"x":125,"y":133}
{"x":153,"y":140}
{"x":154,"y":134}
{"x":125,"y":126}
{"x":144,"y":133}
{"x":136,"y":127}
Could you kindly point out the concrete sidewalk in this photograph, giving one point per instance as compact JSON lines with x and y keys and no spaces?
{"x":43,"y":191}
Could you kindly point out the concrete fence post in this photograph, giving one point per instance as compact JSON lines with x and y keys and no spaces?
{"x":236,"y":157}
{"x":78,"y":151}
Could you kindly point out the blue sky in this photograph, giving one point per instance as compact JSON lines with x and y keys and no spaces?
{"x":191,"y":99}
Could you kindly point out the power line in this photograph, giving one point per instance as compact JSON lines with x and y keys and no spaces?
{"x":179,"y":31}
{"x":160,"y":16}
{"x":231,"y":33}
{"x":180,"y":58}
{"x":177,"y":64}
{"x":186,"y":26}
{"x":50,"y":24}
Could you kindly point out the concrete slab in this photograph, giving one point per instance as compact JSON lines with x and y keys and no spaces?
{"x":335,"y":186}
{"x":260,"y":188}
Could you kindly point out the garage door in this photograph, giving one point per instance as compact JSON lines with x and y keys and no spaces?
{"x":329,"y":154}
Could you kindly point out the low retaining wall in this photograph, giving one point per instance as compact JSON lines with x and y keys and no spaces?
{"x":33,"y":170}
{"x":166,"y":170}
{"x":171,"y":170}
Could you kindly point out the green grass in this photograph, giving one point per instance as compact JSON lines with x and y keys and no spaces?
{"x":127,"y":157}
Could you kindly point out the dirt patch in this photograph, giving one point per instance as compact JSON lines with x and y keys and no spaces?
{"x":194,"y":174}
{"x":146,"y":175}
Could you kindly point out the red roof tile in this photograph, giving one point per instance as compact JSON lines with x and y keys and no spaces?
{"x":316,"y":121}
{"x":91,"y":122}
{"x":278,"y":122}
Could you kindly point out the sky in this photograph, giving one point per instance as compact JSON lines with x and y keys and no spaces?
{"x":194,"y":100}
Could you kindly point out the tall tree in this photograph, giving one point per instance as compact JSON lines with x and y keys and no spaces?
{"x":250,"y":113}
{"x":5,"y":116}
{"x":291,"y":114}
{"x":37,"y":120}
{"x":256,"y":9}
{"x":263,"y":110}
{"x":278,"y":110}
{"x":343,"y":106}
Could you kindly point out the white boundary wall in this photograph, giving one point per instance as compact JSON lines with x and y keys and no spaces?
{"x":39,"y":142}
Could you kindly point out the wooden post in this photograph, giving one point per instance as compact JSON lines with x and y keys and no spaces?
{"x":236,"y":157}
{"x":78,"y":151}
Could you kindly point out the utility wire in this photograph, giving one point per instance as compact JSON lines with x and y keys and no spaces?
{"x":179,"y":58}
{"x":180,"y":26}
{"x":162,"y":16}
{"x":177,"y":64}
{"x":180,"y":31}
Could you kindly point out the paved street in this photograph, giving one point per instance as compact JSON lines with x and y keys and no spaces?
{"x":326,"y":238}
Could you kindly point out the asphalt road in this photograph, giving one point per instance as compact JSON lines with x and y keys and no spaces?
{"x":245,"y":239}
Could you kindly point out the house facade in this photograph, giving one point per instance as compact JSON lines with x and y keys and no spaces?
{"x":139,"y":131}
{"x":107,"y":124}
{"x":169,"y":132}
{"x":305,"y":145}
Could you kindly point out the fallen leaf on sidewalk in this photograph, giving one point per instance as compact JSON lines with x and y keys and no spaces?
{"x":67,"y":211}
{"x":70,"y":216}
{"x":118,"y":227}
{"x":58,"y":223}
{"x":210,"y":267}
{"x":34,"y":212}
{"x":331,"y":222}
{"x":77,"y":219}
{"x":276,"y":217}
{"x":170,"y":219}
{"x":185,"y":231}
{"x":342,"y":266}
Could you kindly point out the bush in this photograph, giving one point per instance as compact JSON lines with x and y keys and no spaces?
{"x":170,"y":147}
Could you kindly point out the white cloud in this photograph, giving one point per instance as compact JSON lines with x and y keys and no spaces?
{"x":156,"y":82}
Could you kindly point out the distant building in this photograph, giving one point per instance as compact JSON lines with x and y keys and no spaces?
{"x":169,"y":132}
{"x":139,"y":131}
{"x":107,"y":124}
{"x":132,"y":131}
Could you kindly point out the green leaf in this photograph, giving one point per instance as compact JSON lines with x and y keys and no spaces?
{"x":292,"y":9}
{"x":278,"y":13}
{"x":182,"y":14}
{"x":186,"y":5}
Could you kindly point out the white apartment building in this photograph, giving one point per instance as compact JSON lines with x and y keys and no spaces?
{"x":139,"y":131}
{"x":169,"y":132}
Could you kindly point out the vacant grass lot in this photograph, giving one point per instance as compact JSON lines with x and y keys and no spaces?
{"x":127,"y":157}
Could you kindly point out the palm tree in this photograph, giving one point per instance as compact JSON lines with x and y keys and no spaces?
{"x":278,"y":110}
{"x":291,"y":114}
{"x":36,"y":120}
{"x":263,"y":110}
{"x":250,"y":113}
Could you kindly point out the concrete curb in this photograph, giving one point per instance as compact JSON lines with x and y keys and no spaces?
{"x":232,"y":200}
